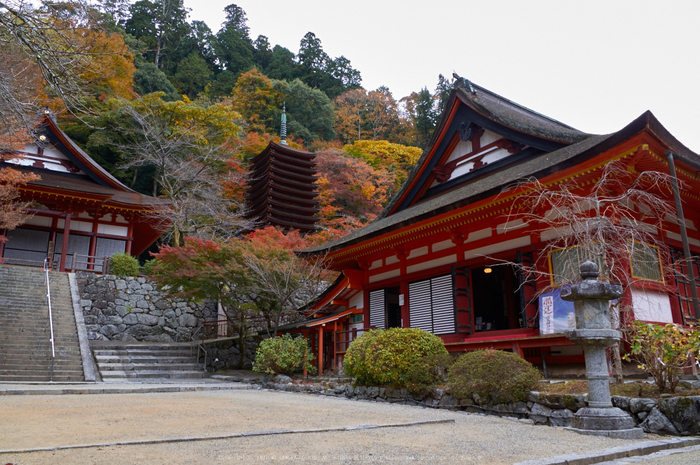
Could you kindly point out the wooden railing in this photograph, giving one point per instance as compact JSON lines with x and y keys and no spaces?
{"x":344,"y":338}
{"x":80,"y":262}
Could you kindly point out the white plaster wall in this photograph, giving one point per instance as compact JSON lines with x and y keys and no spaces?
{"x":651,"y":306}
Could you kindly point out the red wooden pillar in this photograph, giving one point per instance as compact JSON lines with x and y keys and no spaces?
{"x":93,"y":242}
{"x":2,"y":245}
{"x":64,"y":247}
{"x":364,"y":266}
{"x":402,"y":255}
{"x":320,"y":350}
{"x":405,"y":314}
{"x":130,"y":236}
{"x":335,"y":341}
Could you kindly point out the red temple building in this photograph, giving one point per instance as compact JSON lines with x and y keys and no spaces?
{"x":444,"y":255}
{"x":78,"y":207}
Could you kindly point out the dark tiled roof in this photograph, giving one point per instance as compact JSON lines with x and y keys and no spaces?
{"x":83,"y":184}
{"x":498,"y":109}
{"x":516,"y":116}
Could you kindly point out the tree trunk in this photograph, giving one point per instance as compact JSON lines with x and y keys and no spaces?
{"x":241,"y":340}
{"x":133,"y":179}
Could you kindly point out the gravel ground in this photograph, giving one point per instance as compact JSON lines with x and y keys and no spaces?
{"x":36,"y":421}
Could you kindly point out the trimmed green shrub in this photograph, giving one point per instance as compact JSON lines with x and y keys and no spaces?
{"x":283,"y":354}
{"x":123,"y":264}
{"x":384,"y":357}
{"x":428,"y":372}
{"x":494,"y":375}
{"x":147,"y":268}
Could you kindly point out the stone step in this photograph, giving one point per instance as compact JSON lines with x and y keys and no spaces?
{"x":103,"y":359}
{"x":37,"y":364}
{"x":138,"y":361}
{"x":20,"y":342}
{"x":192,"y":366}
{"x":25,"y":349}
{"x":41,"y":377}
{"x":151,"y":374}
{"x":144,"y":353}
{"x":23,"y":358}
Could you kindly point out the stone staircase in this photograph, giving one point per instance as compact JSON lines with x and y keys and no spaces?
{"x":146,"y":361}
{"x":25,"y":348}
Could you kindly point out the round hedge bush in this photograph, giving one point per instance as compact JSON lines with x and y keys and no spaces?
{"x":384,"y":357}
{"x":283,"y":354}
{"x":123,"y":264}
{"x":494,"y":375}
{"x":427,"y":373}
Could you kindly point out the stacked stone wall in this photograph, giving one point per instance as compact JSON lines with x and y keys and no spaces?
{"x":678,"y":416}
{"x":119,"y":308}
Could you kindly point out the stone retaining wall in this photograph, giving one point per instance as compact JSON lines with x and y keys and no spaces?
{"x":119,"y":308}
{"x":674,"y":415}
{"x":226,"y":353}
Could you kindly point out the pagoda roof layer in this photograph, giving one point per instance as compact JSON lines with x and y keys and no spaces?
{"x":284,"y":150}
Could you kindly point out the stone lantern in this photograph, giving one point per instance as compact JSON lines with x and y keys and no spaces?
{"x":594,"y":333}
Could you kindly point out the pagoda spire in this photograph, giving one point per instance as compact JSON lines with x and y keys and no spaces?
{"x":283,"y":130}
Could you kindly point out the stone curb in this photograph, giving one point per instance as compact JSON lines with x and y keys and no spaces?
{"x":606,"y":455}
{"x":227,"y":436}
{"x":119,"y":390}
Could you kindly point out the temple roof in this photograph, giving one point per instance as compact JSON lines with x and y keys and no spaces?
{"x":515,"y":116}
{"x":83,"y":185}
{"x":92,"y":179}
{"x":488,"y":186}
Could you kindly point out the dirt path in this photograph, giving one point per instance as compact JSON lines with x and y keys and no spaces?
{"x":36,"y":421}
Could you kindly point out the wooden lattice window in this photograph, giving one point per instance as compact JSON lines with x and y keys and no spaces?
{"x":564,"y":264}
{"x":645,"y":260}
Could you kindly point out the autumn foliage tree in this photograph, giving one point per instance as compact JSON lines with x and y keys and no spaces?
{"x":255,"y":277}
{"x":352,"y":192}
{"x":362,"y":115}
{"x":187,"y":146}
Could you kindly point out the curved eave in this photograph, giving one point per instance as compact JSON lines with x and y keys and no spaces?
{"x":292,"y":224}
{"x":273,"y":147}
{"x":274,"y":165}
{"x":275,"y":212}
{"x":295,"y":205}
{"x":513,"y":121}
{"x":82,"y":159}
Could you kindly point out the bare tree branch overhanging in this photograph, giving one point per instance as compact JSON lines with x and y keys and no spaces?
{"x":616,"y":220}
{"x":188,"y":145}
{"x":50,"y":40}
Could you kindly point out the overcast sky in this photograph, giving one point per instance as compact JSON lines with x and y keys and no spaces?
{"x":595,"y":65}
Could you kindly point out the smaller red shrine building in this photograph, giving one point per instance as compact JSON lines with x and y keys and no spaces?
{"x":78,"y":207}
{"x":282,"y":190}
{"x":443,"y":255}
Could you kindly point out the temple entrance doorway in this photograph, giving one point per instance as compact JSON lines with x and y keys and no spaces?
{"x":496,"y":298}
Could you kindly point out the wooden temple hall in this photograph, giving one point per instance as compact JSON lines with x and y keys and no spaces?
{"x":282,"y":188}
{"x":448,"y":255}
{"x":79,"y":213}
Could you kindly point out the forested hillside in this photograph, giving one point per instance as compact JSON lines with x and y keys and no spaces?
{"x":176,"y":109}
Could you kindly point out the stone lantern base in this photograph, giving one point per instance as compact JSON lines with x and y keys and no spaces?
{"x":611,"y":422}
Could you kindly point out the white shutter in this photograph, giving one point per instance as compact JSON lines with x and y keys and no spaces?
{"x":431,"y":305}
{"x":419,"y":307}
{"x":376,"y":309}
{"x":443,"y":305}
